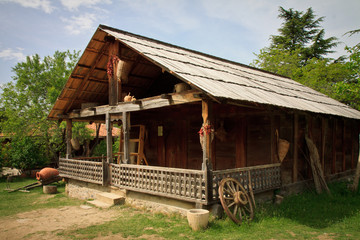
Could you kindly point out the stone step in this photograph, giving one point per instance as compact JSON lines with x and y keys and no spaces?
{"x":99,"y":204}
{"x":110,"y":198}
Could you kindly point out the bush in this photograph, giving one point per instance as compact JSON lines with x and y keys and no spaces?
{"x":25,"y":153}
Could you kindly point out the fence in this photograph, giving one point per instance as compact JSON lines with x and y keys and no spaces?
{"x":184,"y":184}
{"x":263,"y":178}
{"x":83,"y":170}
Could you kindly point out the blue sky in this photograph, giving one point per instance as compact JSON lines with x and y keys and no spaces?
{"x":232,"y":29}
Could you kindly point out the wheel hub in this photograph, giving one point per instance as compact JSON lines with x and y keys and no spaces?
{"x":240,"y":198}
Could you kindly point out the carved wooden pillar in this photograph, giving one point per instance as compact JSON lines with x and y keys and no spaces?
{"x":68,"y":137}
{"x":109,"y":142}
{"x":207,"y":132}
{"x":126,"y":129}
{"x":111,"y":71}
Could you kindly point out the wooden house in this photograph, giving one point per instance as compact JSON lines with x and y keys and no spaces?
{"x":202,"y":118}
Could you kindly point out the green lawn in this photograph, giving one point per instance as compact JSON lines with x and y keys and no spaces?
{"x":305,"y":216}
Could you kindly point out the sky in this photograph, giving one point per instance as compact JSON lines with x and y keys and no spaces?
{"x":231,"y":29}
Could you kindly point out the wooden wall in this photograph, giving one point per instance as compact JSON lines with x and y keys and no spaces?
{"x":249,"y":139}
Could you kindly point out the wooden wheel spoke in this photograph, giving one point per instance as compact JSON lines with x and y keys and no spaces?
{"x":230,"y":187}
{"x":230,"y":205}
{"x":235,"y":209}
{"x":226,"y":190}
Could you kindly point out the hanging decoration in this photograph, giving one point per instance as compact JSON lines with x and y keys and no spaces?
{"x":111,"y":65}
{"x":206,"y":130}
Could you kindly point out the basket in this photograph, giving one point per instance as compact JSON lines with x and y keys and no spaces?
{"x":282,"y":146}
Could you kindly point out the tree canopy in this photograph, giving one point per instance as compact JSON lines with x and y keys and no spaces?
{"x":302,"y":31}
{"x":26,"y":102}
{"x":300,"y":52}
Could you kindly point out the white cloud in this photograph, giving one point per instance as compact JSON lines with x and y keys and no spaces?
{"x":13,"y":54}
{"x":77,"y":24}
{"x":73,"y":5}
{"x":44,"y":5}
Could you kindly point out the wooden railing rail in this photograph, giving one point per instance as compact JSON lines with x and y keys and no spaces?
{"x":263,"y":178}
{"x":87,"y":171}
{"x":183,"y":184}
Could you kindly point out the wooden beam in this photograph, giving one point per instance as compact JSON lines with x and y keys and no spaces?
{"x":333,"y":164}
{"x":144,"y":104}
{"x":109,"y":142}
{"x":113,"y":83}
{"x":323,"y":141}
{"x":126,"y":128}
{"x":68,"y":137}
{"x":83,"y":82}
{"x":295,"y":147}
{"x":241,"y":144}
{"x":343,"y":146}
{"x":207,"y":115}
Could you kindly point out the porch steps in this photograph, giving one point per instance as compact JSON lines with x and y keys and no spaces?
{"x":106,"y":200}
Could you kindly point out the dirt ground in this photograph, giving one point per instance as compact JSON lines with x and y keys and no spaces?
{"x":46,"y":223}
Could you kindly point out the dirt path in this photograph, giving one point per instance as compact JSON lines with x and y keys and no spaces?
{"x":46,"y":223}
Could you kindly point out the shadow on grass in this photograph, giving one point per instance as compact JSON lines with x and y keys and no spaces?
{"x":318,"y":211}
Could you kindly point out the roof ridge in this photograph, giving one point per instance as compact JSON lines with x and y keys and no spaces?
{"x":103,"y":27}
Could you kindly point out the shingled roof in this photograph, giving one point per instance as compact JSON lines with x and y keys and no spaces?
{"x":219,"y":78}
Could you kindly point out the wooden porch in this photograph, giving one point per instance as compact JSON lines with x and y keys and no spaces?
{"x":198,"y":186}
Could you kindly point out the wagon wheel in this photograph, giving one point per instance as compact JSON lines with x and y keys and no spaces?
{"x":235,"y":200}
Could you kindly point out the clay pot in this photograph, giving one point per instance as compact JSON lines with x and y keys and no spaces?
{"x":47,"y":173}
{"x":198,"y":219}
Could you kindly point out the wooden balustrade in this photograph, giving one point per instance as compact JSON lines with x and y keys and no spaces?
{"x":87,"y":171}
{"x":184,"y":184}
{"x":263,"y":177}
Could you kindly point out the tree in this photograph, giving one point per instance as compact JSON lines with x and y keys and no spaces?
{"x":299,"y":53}
{"x":27,"y":100}
{"x":302,"y":31}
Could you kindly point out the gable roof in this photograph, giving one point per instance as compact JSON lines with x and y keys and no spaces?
{"x":220,"y":78}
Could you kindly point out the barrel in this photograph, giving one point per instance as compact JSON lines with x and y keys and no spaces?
{"x":47,"y":173}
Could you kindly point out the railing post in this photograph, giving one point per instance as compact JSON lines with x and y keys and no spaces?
{"x":105,"y":171}
{"x":126,"y":129}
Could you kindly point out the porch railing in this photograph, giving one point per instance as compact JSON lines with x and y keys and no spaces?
{"x":183,"y":184}
{"x":176,"y":183}
{"x":83,"y":170}
{"x":263,"y":177}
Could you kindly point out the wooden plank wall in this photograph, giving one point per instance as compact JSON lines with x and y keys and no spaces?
{"x":250,"y":136}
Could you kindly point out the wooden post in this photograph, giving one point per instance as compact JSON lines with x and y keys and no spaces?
{"x":126,"y":129}
{"x":68,"y":138}
{"x":240,"y":144}
{"x":295,"y":147}
{"x":206,"y":165}
{"x":343,"y":147}
{"x":323,"y":141}
{"x":333,"y":165}
{"x":109,"y":143}
{"x":113,"y":82}
{"x":272,"y":140}
{"x":207,"y":117}
{"x":357,"y":173}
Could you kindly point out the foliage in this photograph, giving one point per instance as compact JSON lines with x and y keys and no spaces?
{"x":27,"y":100}
{"x":302,"y":31}
{"x":299,"y":53}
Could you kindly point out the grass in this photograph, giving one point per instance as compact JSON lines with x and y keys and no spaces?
{"x":304,"y":216}
{"x":17,"y":202}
